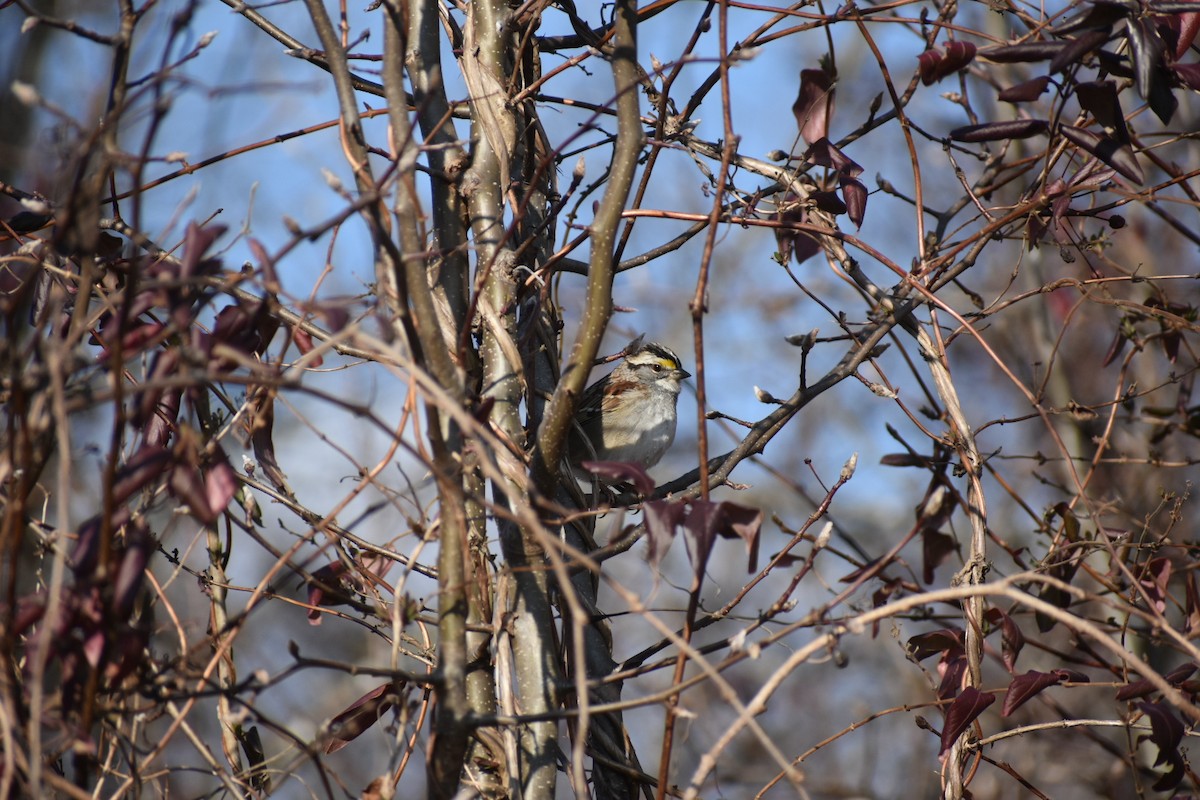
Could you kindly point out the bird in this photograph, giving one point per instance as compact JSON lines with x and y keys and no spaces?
{"x":629,"y":415}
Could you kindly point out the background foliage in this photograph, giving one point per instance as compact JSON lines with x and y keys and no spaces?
{"x":298,"y":299}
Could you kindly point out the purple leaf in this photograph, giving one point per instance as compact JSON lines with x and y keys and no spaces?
{"x":829,"y":202}
{"x":996,"y":131}
{"x":220,"y":483}
{"x":965,"y":709}
{"x":1024,"y":687}
{"x":935,"y":548}
{"x":794,"y":243}
{"x":1191,"y":622}
{"x":142,"y":469}
{"x":622,"y":472}
{"x":927,"y":65}
{"x":131,"y":572}
{"x":1144,"y":687}
{"x":266,"y":264}
{"x":331,"y":585}
{"x":1149,"y":61}
{"x":734,"y":521}
{"x":814,"y":104}
{"x":1099,"y":98}
{"x":196,"y":242}
{"x":932,"y":65}
{"x":1189,"y":75}
{"x":824,"y":154}
{"x":1021,"y":53}
{"x":1154,"y":582}
{"x":1077,"y":48}
{"x":662,"y":521}
{"x":854,"y":193}
{"x":261,"y":438}
{"x":1025,"y":92}
{"x":953,"y":669}
{"x":1094,"y":17}
{"x":188,"y":486}
{"x":905,"y":460}
{"x":702,"y":522}
{"x":1118,"y":156}
{"x":1011,"y":639}
{"x":1166,"y":731}
{"x":924,"y":645}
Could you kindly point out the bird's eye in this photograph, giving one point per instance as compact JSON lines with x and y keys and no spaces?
{"x":657,"y":367}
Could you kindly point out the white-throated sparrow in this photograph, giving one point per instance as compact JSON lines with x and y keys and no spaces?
{"x":629,"y":414}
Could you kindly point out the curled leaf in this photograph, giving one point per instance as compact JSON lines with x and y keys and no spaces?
{"x":1021,"y":53}
{"x":360,"y":715}
{"x":997,"y":131}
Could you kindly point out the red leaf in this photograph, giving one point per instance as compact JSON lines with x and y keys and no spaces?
{"x":187,"y":485}
{"x":360,"y":715}
{"x":705,"y":521}
{"x":662,"y":521}
{"x":196,"y":241}
{"x":1166,"y":731}
{"x":814,"y":104}
{"x":1024,"y":687}
{"x":1144,"y":687}
{"x":331,"y":585}
{"x":935,"y":548}
{"x":927,"y":65}
{"x":304,"y":343}
{"x":932,"y":65}
{"x":1154,"y":581}
{"x":923,"y":645}
{"x":1191,"y":622}
{"x":1011,"y":639}
{"x":854,"y":193}
{"x":1189,"y":25}
{"x":220,"y":484}
{"x":965,"y":709}
{"x":953,"y":668}
{"x":793,"y":243}
{"x":1189,"y":75}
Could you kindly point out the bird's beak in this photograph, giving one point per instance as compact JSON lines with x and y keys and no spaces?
{"x":682,"y":373}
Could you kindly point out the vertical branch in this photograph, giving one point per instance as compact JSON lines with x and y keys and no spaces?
{"x":973,"y":572}
{"x":552,"y":434}
{"x":411,"y":282}
{"x":226,"y":670}
{"x":486,"y":65}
